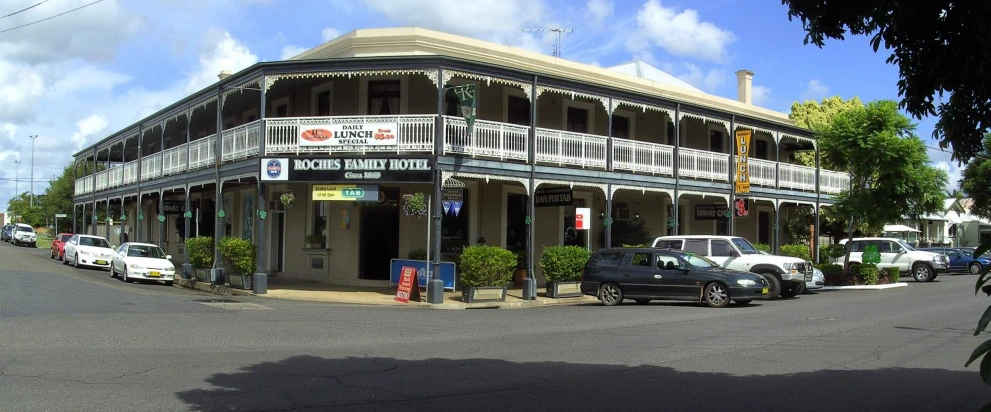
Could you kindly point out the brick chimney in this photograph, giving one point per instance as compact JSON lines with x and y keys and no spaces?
{"x":744,"y":86}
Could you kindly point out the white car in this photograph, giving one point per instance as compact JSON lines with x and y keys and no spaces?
{"x":144,"y":261}
{"x":924,"y":266}
{"x":88,"y":250}
{"x":818,"y":278}
{"x":22,"y":234}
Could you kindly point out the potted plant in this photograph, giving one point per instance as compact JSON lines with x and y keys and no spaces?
{"x":520,"y":273}
{"x":485,"y":271}
{"x":415,"y":204}
{"x":563,"y":267}
{"x":316,"y":241}
{"x":287,"y":198}
{"x":239,"y":260}
{"x":200,"y":253}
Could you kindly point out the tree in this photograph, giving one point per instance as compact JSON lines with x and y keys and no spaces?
{"x":974,"y":180}
{"x":889,"y":169}
{"x":933,"y":45}
{"x":955,"y":193}
{"x":20,"y":206}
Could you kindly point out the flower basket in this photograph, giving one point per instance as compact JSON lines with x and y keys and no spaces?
{"x":415,"y":204}
{"x":287,"y":198}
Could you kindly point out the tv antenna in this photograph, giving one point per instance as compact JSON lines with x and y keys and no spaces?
{"x":558,"y":30}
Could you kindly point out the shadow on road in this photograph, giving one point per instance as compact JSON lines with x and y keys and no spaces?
{"x":377,"y":384}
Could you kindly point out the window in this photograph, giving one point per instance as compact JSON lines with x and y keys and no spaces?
{"x":145,"y":252}
{"x":857,"y":246}
{"x":641,"y":259}
{"x":716,"y":141}
{"x":64,"y":238}
{"x":721,"y":248}
{"x":94,"y":241}
{"x":318,"y":220}
{"x":454,"y":226}
{"x":610,"y":259}
{"x":518,"y":111}
{"x":323,"y":103}
{"x":952,"y":253}
{"x":700,"y":262}
{"x":451,"y":105}
{"x":282,"y":110}
{"x":761,"y":150}
{"x":383,"y":97}
{"x":745,"y":247}
{"x":699,"y":246}
{"x":577,"y":120}
{"x":669,"y":244}
{"x":665,"y":262}
{"x":620,"y":127}
{"x":722,"y":227}
{"x":671,"y":137}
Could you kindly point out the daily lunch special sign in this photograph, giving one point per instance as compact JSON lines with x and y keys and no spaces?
{"x":348,"y":135}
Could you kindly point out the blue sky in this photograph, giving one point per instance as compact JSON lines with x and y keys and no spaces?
{"x":76,"y":78}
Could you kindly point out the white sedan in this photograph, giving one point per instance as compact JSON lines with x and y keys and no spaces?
{"x":87,"y":250}
{"x":142,"y":261}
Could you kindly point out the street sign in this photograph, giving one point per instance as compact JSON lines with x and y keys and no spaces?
{"x":582,"y":218}
{"x":405,"y":290}
{"x":61,"y":215}
{"x":349,"y":193}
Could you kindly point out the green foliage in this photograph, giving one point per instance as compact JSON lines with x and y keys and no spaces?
{"x":796,"y":250}
{"x":315,"y":239}
{"x":238,"y":255}
{"x":975,"y":178}
{"x":815,"y":116}
{"x":932,"y":44}
{"x":892,"y":274}
{"x":564,"y":263}
{"x":828,"y":253}
{"x":867,"y":274}
{"x":521,"y":256}
{"x":486,"y":266}
{"x":637,"y":245}
{"x":984,"y":349}
{"x":415,"y":204}
{"x":834,"y":275}
{"x":628,"y":232}
{"x":763,"y":246}
{"x":797,"y":224}
{"x":418,"y":254}
{"x":200,"y":251}
{"x":830,"y":269}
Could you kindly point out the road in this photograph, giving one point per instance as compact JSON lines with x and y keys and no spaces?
{"x":77,"y":340}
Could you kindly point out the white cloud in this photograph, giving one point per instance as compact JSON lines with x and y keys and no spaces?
{"x":329,"y":34}
{"x":87,"y":78}
{"x":679,"y":34}
{"x":500,"y":21}
{"x":953,"y":172}
{"x":219,"y":51}
{"x":21,"y":88}
{"x":815,"y":90}
{"x":706,"y":80}
{"x":291,"y":51}
{"x":598,"y":10}
{"x":88,"y":128}
{"x":761,"y":95}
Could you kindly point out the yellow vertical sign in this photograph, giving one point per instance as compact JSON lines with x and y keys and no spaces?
{"x":742,"y":161}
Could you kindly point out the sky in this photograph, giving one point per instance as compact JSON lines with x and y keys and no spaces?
{"x":76,"y":78}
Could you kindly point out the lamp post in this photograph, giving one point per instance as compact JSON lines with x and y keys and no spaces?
{"x":17,"y":178}
{"x":33,"y":137}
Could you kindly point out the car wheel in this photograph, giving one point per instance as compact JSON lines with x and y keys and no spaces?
{"x":921,"y":272}
{"x":610,"y":294}
{"x":51,"y":254}
{"x":774,"y":286}
{"x":975,"y":268}
{"x":65,"y":262}
{"x":716,"y":295}
{"x":642,"y":301}
{"x":126,"y":279}
{"x":744,"y":302}
{"x":75,"y":261}
{"x":113,"y":273}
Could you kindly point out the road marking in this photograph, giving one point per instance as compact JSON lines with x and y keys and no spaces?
{"x":231,"y":304}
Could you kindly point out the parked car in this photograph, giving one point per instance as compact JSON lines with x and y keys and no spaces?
{"x":5,"y":233}
{"x":924,"y":266}
{"x":973,"y":249}
{"x":786,"y":275}
{"x":23,"y":234}
{"x":88,"y":250}
{"x":818,"y":278}
{"x":142,"y":261}
{"x":961,"y":260}
{"x":58,"y":245}
{"x":645,"y":274}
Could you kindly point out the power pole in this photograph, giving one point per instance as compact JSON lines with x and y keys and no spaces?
{"x":33,"y":137}
{"x":17,"y":179}
{"x":558,"y":30}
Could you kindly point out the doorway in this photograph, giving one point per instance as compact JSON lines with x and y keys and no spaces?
{"x":278,"y":241}
{"x":516,"y":222}
{"x":380,"y":236}
{"x":763,"y":227}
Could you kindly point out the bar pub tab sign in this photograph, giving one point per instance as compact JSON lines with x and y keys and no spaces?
{"x":742,"y":161}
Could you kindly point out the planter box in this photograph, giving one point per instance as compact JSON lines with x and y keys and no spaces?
{"x":203,"y":275}
{"x":241,"y":281}
{"x":473,"y":294}
{"x":564,"y":289}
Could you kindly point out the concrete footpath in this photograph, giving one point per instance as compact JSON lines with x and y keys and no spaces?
{"x":291,"y":289}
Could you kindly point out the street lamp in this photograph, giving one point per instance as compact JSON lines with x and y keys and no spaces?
{"x":33,"y":137}
{"x":17,"y":178}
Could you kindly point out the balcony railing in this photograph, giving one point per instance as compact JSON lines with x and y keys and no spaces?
{"x":412,"y":134}
{"x":569,"y":148}
{"x":642,"y":157}
{"x":489,"y":139}
{"x":503,"y":141}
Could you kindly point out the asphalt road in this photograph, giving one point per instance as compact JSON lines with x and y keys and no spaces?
{"x":77,"y":340}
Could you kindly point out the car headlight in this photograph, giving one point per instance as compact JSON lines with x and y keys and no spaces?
{"x":135,"y":266}
{"x":746,"y":282}
{"x":787,"y":266}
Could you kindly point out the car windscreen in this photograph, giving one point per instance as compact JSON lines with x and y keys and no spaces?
{"x":745,"y":247}
{"x":145,"y":251}
{"x":64,"y":238}
{"x":94,"y":241}
{"x":905,"y":245}
{"x":25,"y":229}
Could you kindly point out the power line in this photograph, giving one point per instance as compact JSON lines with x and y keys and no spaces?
{"x":41,"y":166}
{"x":49,"y":18}
{"x":23,"y":10}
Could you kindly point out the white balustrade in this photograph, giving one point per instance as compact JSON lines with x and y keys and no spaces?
{"x":797,"y":177}
{"x":102,"y":180}
{"x":80,"y":188}
{"x":569,"y":148}
{"x":415,"y":133}
{"x":202,"y":152}
{"x":151,"y":167}
{"x":761,"y":171}
{"x":131,"y":172}
{"x":489,"y":139}
{"x":116,"y":176}
{"x":642,"y":157}
{"x":833,"y":182}
{"x":174,"y":160}
{"x":241,"y":142}
{"x":701,"y":164}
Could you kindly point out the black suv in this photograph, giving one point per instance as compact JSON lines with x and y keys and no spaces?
{"x":5,"y":233}
{"x":645,"y":274}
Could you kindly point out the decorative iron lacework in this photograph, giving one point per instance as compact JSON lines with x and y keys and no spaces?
{"x":641,"y":189}
{"x":797,"y":202}
{"x":523,"y":181}
{"x":239,"y":89}
{"x":703,"y":194}
{"x":449,"y":74}
{"x":601,"y":99}
{"x":643,"y":107}
{"x":570,"y":184}
{"x":199,"y":183}
{"x":178,"y":187}
{"x":815,"y":143}
{"x":767,"y":199}
{"x":450,"y":183}
{"x":430,"y":73}
{"x":775,"y":135}
{"x":704,"y":119}
{"x":236,"y":177}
